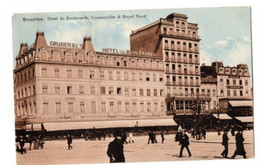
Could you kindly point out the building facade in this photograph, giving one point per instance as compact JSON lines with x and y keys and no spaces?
{"x":160,"y":77}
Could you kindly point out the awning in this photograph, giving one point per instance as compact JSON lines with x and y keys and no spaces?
{"x":59,"y":126}
{"x":156,"y":122}
{"x":241,"y":103}
{"x":245,"y":119}
{"x":222,"y":116}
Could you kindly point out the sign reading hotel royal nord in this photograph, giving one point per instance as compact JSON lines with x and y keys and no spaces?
{"x":89,"y":78}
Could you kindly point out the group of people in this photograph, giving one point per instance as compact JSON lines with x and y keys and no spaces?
{"x":240,"y":150}
{"x":116,"y":149}
{"x":22,"y":139}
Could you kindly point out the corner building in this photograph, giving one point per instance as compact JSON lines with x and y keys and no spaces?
{"x":176,"y":41}
{"x":65,"y":82}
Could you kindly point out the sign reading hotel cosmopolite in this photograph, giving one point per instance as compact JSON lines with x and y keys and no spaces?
{"x":65,"y":44}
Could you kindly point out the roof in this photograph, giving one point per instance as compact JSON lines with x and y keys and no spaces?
{"x":241,"y":103}
{"x":222,"y":116}
{"x":102,"y":124}
{"x":245,"y":119}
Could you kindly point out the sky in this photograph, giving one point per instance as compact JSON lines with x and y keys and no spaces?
{"x":225,"y":32}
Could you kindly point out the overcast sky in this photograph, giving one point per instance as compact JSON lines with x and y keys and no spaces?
{"x":225,"y":32}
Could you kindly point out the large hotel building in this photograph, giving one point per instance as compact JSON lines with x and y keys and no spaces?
{"x":158,"y":80}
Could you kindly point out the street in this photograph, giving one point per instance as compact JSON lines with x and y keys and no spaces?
{"x":56,"y":152}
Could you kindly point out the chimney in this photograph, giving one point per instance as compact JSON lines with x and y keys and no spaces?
{"x":87,"y":44}
{"x":23,"y":49}
{"x":40,"y":41}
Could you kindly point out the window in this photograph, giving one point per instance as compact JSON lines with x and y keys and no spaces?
{"x":221,"y":81}
{"x":246,"y":82}
{"x":69,"y":73}
{"x":148,"y":92}
{"x":111,"y":106}
{"x":93,"y":107}
{"x":92,"y":74}
{"x":81,"y":89}
{"x":44,"y":72}
{"x":125,"y":75}
{"x":234,"y":82}
{"x":118,"y":91}
{"x":228,"y":92}
{"x":58,"y":107}
{"x":57,"y":90}
{"x":147,"y":77}
{"x":148,"y":107}
{"x":126,"y":91}
{"x":240,"y":82}
{"x":80,"y":73}
{"x":44,"y":89}
{"x":117,"y":63}
{"x":103,"y":106}
{"x":110,"y":91}
{"x":241,"y":93}
{"x":141,"y":92}
{"x":155,"y":92}
{"x":119,"y":106}
{"x":140,"y":76}
{"x":227,"y":81}
{"x":92,"y":90}
{"x":102,"y":75}
{"x":235,"y":93}
{"x":127,"y":108}
{"x":110,"y":75}
{"x":133,"y":76}
{"x":221,"y":93}
{"x":45,"y":108}
{"x":70,"y":107}
{"x":69,"y":89}
{"x":102,"y":90}
{"x":118,"y":75}
{"x":125,"y":63}
{"x":82,"y":107}
{"x":57,"y":73}
{"x":133,"y":92}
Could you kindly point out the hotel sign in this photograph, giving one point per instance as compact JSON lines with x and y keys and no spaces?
{"x":65,"y":44}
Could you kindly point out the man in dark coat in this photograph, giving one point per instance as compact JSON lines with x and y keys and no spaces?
{"x":162,"y":136}
{"x":240,"y":150}
{"x":184,"y":142}
{"x":69,"y":141}
{"x":115,"y":149}
{"x":225,"y":143}
{"x":150,"y":137}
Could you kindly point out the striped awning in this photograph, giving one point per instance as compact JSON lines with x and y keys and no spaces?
{"x":241,"y":103}
{"x":222,"y":116}
{"x":59,"y":126}
{"x":245,"y":119}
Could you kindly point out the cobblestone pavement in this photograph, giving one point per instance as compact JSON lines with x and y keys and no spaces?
{"x":55,"y":152}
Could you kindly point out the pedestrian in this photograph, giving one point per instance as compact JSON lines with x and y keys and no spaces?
{"x":115,"y":149}
{"x":154,"y":140}
{"x":203,"y":131}
{"x":131,"y":137}
{"x":162,"y":136}
{"x":124,"y":137}
{"x":69,"y":141}
{"x":150,"y":137}
{"x":225,"y":143}
{"x":22,"y":142}
{"x":184,"y":142}
{"x":240,"y":150}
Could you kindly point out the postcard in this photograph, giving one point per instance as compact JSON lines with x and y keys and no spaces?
{"x":133,"y":86}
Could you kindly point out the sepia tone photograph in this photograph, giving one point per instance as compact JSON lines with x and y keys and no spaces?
{"x":157,"y":85}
